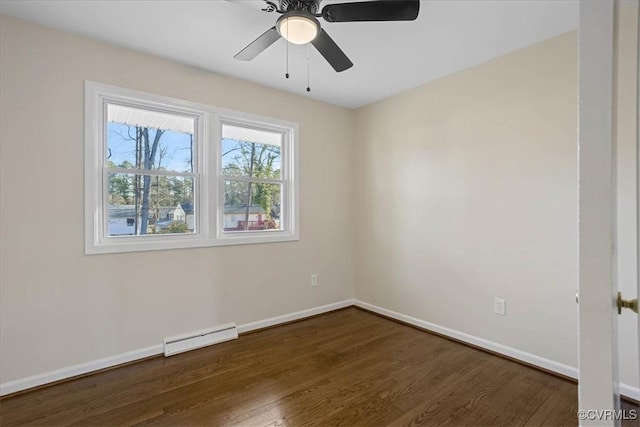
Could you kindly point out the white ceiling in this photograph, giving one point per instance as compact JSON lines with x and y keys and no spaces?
{"x":389,"y":57}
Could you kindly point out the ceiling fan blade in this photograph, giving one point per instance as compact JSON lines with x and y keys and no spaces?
{"x":388,"y":10}
{"x":257,"y":46}
{"x":331,"y":52}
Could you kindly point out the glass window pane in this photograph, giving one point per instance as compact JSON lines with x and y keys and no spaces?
{"x":150,"y":204}
{"x":251,"y":153}
{"x":252,"y":206}
{"x":149,"y":140}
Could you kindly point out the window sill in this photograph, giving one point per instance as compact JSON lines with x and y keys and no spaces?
{"x":153,"y":243}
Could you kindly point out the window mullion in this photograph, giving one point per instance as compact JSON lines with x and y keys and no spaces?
{"x":249,"y":179}
{"x":149,"y":172}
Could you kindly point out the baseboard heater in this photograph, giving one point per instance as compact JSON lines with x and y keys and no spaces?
{"x":187,"y":342}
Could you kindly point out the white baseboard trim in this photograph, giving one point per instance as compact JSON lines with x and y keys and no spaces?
{"x":560,"y":368}
{"x":569,"y":371}
{"x":630,"y":391}
{"x":294,"y":316}
{"x":83,"y":368}
{"x":108,"y":362}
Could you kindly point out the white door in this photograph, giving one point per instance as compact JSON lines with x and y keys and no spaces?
{"x":598,"y":219}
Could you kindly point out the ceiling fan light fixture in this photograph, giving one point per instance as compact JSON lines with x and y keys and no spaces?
{"x":298,"y":28}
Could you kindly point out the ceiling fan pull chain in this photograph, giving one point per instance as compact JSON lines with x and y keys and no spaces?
{"x":308,"y":85}
{"x":287,"y":43}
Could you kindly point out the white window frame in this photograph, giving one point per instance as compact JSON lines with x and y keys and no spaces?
{"x":208,"y":203}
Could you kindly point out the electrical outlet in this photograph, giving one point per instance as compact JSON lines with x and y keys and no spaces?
{"x":314,"y":280}
{"x":500,"y":306}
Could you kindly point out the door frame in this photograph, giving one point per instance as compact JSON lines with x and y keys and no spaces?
{"x":597,"y":353}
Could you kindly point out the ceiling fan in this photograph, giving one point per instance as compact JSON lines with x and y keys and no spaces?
{"x":298,"y":24}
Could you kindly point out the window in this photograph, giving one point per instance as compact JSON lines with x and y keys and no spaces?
{"x":163,"y":173}
{"x":252,"y":179}
{"x":150,"y":170}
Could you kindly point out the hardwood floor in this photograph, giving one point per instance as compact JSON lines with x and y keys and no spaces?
{"x":346,"y":368}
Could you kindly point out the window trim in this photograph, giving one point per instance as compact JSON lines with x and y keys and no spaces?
{"x":207,"y":136}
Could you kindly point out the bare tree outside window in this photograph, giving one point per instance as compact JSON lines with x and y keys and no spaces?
{"x":248,"y":160}
{"x":150,"y":179}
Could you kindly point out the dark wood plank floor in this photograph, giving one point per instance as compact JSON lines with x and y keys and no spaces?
{"x":346,"y":368}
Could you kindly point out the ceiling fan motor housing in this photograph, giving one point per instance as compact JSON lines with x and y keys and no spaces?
{"x":310,"y":6}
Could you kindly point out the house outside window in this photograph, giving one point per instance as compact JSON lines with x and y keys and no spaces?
{"x":163,"y":173}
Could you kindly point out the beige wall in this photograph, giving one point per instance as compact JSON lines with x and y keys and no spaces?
{"x":627,"y":181}
{"x":59,"y":307}
{"x":471,"y":180}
